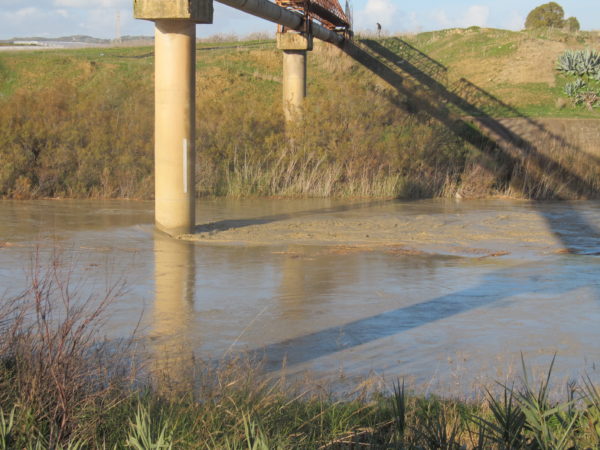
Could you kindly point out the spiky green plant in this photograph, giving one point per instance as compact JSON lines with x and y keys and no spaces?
{"x":550,"y":423}
{"x":584,"y":66}
{"x":588,"y":62}
{"x":591,"y":412}
{"x":506,"y":427}
{"x":574,"y":87}
{"x":144,"y":433}
{"x":399,"y":407}
{"x":579,"y":62}
{"x":567,"y":62}
{"x":7,"y":423}
{"x":439,"y":426}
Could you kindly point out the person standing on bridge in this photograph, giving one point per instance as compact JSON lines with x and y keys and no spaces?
{"x":378,"y":30}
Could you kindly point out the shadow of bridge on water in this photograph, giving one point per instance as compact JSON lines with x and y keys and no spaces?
{"x":528,"y":157}
{"x":476,"y":117}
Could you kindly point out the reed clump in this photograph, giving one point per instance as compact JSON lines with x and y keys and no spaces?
{"x":58,"y":378}
{"x":62,"y":386}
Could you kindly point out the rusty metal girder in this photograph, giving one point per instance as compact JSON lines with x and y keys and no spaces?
{"x":328,"y":12}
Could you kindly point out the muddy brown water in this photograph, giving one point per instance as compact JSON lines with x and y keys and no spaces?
{"x":444,"y":293}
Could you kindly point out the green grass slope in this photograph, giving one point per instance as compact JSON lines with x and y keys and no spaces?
{"x":517,"y":67}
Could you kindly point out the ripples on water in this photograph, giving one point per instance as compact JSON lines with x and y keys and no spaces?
{"x":439,"y":317}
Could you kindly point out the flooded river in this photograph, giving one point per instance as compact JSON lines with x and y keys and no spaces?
{"x":444,"y":293}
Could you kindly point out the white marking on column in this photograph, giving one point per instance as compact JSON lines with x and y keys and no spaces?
{"x":185,"y":174}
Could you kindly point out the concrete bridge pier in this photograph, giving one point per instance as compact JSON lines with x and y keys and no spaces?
{"x":175,"y":94}
{"x":295,"y":47}
{"x":174,"y":153}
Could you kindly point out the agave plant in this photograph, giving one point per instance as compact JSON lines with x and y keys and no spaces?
{"x":579,"y":62}
{"x":588,"y":62}
{"x":574,"y":87}
{"x":567,"y":62}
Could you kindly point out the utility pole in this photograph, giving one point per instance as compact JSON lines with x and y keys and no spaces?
{"x":118,"y":26}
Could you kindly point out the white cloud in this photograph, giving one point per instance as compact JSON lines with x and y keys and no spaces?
{"x":441,"y":18}
{"x":412,"y":23}
{"x":475,"y":15}
{"x":26,"y":12}
{"x":516,"y":21}
{"x":100,"y":22}
{"x":378,"y":11}
{"x":92,"y":4}
{"x":20,"y":15}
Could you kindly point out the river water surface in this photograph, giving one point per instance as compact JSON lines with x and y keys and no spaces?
{"x":438,"y":291}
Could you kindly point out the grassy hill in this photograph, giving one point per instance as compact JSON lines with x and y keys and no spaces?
{"x":80,"y":122}
{"x":517,"y":67}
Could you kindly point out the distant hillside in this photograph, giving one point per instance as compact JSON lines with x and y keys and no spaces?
{"x":79,"y":38}
{"x":76,"y":38}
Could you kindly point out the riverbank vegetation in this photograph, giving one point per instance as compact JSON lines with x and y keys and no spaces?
{"x":583,"y":68}
{"x":79,"y":123}
{"x":62,"y":386}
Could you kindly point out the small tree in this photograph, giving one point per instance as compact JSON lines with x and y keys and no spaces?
{"x":572,"y":24}
{"x":546,"y":16}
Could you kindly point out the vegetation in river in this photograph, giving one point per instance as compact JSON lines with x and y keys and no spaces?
{"x":64,"y":387}
{"x":79,"y":123}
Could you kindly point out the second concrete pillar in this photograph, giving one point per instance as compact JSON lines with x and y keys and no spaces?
{"x":294,"y":82}
{"x":294,"y":46}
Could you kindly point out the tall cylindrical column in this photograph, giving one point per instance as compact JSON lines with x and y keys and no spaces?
{"x":174,"y":155}
{"x":294,"y":82}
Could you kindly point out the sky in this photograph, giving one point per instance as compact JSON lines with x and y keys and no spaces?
{"x":54,"y":18}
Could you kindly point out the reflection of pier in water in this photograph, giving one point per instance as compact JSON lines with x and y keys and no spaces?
{"x":175,"y":275}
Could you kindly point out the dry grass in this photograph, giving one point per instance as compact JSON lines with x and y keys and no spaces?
{"x":54,"y":368}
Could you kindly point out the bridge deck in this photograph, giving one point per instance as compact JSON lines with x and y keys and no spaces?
{"x":328,"y":12}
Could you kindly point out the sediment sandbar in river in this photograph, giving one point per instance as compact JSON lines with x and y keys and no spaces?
{"x":476,"y":228}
